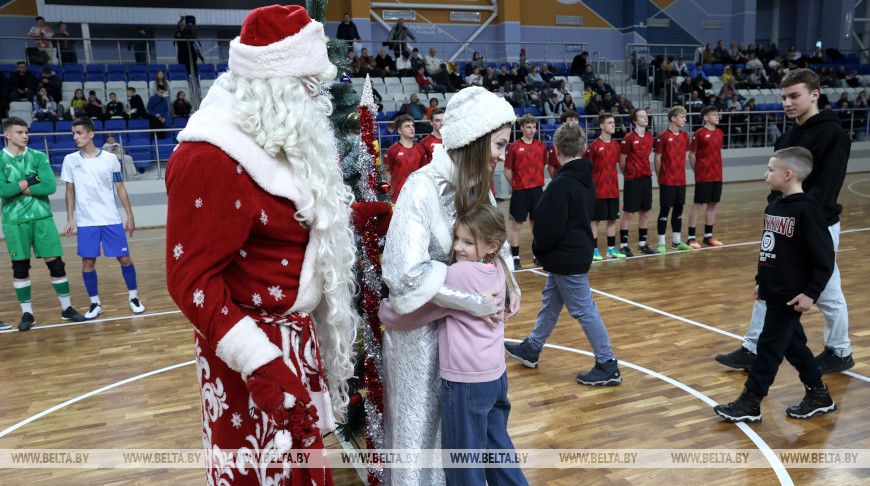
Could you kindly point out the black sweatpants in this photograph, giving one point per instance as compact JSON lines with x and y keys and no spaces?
{"x":782,"y":335}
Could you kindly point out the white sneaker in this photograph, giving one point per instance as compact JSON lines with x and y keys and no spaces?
{"x":136,"y":306}
{"x":94,"y":311}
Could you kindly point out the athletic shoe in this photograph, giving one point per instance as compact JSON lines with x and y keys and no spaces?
{"x":517,"y":264}
{"x":596,"y":256}
{"x":136,"y":306}
{"x":741,"y":359}
{"x":70,"y":314}
{"x":535,"y":261}
{"x":94,"y":311}
{"x":817,"y":401}
{"x":747,"y":408}
{"x":661,"y":249}
{"x":693,"y":243}
{"x":830,"y":363}
{"x":626,"y":251}
{"x":4,"y":326}
{"x":602,"y":374}
{"x":27,"y":321}
{"x":523,"y":352}
{"x":681,"y":246}
{"x":646,"y":249}
{"x":614,"y":253}
{"x":712,"y":241}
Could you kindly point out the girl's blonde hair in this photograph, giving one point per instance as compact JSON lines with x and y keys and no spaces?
{"x":486,"y":224}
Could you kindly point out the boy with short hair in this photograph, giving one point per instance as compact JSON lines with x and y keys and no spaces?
{"x":524,"y":170}
{"x":794,"y":265}
{"x":26,"y":180}
{"x":670,"y":162}
{"x":563,"y":245}
{"x":553,"y":164}
{"x":92,"y":177}
{"x":436,"y":119}
{"x":604,"y":154}
{"x":404,"y":156}
{"x":705,"y":157}
{"x":635,"y":150}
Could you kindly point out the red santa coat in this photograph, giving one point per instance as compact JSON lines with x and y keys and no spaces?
{"x":243,"y":270}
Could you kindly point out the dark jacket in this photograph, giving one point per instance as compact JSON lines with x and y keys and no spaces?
{"x":22,"y":81}
{"x":347,"y":32}
{"x":797,"y":253}
{"x":823,"y":135}
{"x":563,"y":231}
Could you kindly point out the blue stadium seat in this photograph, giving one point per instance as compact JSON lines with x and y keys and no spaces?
{"x":8,"y":68}
{"x":98,"y":125}
{"x":164,"y":149}
{"x":534,"y":111}
{"x":63,"y":126}
{"x":42,"y":127}
{"x":207,"y":71}
{"x":176,"y":75}
{"x":380,"y":116}
{"x":179,"y":122}
{"x":137,"y":68}
{"x":519,"y":111}
{"x":138,"y":124}
{"x":75,"y":76}
{"x":137,"y":76}
{"x":116,"y":124}
{"x":152,"y":70}
{"x":221,"y":68}
{"x":40,"y":142}
{"x":142,"y":154}
{"x":73,"y":68}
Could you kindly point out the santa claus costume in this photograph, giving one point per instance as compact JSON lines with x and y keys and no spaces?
{"x":260,"y":252}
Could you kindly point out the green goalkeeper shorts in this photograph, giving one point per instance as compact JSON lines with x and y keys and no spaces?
{"x":39,"y":234}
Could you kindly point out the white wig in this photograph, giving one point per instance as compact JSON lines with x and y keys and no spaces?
{"x":284,"y":115}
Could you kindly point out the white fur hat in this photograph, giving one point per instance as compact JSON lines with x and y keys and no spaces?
{"x":472,"y":113}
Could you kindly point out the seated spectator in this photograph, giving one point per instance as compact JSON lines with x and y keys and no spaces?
{"x":474,"y":79}
{"x":158,"y":112}
{"x":490,"y":80}
{"x":519,"y":98}
{"x":729,"y":88}
{"x":601,"y":87}
{"x":543,"y":95}
{"x":546,"y":75}
{"x":607,"y":102}
{"x":535,"y":97}
{"x":827,"y":78}
{"x":404,"y":67}
{"x":852,"y":79}
{"x":22,"y":84}
{"x":366,"y":65}
{"x":753,"y":62}
{"x":501,"y":93}
{"x":457,"y":82}
{"x":844,"y":98}
{"x":708,"y":56}
{"x":523,"y":66}
{"x":668,"y":64}
{"x":431,"y":62}
{"x":442,"y":77}
{"x":353,"y":64}
{"x":861,"y":100}
{"x":51,"y":82}
{"x":721,"y":54}
{"x":561,"y":89}
{"x":773,"y":52}
{"x":44,"y":107}
{"x":578,"y":65}
{"x":94,"y":106}
{"x":774,"y":63}
{"x":568,"y":103}
{"x":685,"y":89}
{"x":681,"y":68}
{"x":552,"y":108}
{"x":114,"y":108}
{"x":734,"y":53}
{"x":742,"y":52}
{"x":181,"y":106}
{"x":792,"y":56}
{"x":433,"y":105}
{"x":740,"y":78}
{"x":595,"y":106}
{"x":426,"y":84}
{"x":385,"y":63}
{"x":624,"y":104}
{"x":727,"y":75}
{"x":840,"y":74}
{"x":413,"y":108}
{"x":534,"y":78}
{"x":621,"y":126}
{"x":845,"y":114}
{"x":137,"y":106}
{"x":76,"y":106}
{"x":476,"y":62}
{"x":115,"y":148}
{"x":588,"y":77}
{"x":734,"y":102}
{"x":722,"y":102}
{"x":761,"y":53}
{"x":504,"y":78}
{"x":416,"y":60}
{"x":777,"y":75}
{"x":160,"y":81}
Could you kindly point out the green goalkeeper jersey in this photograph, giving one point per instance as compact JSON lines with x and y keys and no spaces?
{"x":32,"y":166}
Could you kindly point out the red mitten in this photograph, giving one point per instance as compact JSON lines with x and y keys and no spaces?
{"x":363,"y":211}
{"x":270,"y":382}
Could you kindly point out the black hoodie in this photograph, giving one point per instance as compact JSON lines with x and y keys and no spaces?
{"x":797,"y":253}
{"x":823,"y":135}
{"x":563,"y":231}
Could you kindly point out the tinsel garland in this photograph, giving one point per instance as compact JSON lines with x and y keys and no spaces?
{"x":370,"y":268}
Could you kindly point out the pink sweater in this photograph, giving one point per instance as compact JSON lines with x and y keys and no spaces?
{"x":469,"y":350}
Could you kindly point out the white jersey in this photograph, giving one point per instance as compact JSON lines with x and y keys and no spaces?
{"x":94,"y":181}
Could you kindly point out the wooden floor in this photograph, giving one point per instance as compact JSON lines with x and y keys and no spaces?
{"x":654,"y":307}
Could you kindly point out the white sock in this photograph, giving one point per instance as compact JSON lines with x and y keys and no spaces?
{"x":26,"y":307}
{"x":134,"y":294}
{"x":641,"y":243}
{"x":677,"y":237}
{"x":65,"y":302}
{"x":96,"y":300}
{"x":661,"y":239}
{"x":708,"y":235}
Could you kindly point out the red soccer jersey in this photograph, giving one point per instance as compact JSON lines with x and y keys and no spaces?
{"x":552,"y":160}
{"x":428,"y":146}
{"x":402,"y":161}
{"x":707,"y":145}
{"x":527,"y":160}
{"x":605,"y":158}
{"x":637,"y":150}
{"x":673,"y":149}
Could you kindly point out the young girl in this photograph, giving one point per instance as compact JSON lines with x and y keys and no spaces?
{"x":76,"y":105}
{"x":474,"y":403}
{"x":160,"y":81}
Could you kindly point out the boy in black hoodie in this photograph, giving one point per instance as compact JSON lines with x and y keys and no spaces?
{"x":563,"y":246}
{"x":794,"y":265}
{"x":822,"y":134}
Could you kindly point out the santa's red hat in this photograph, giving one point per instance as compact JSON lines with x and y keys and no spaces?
{"x":280,"y":41}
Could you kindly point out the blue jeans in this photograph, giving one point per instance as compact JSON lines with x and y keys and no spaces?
{"x":475,"y":416}
{"x":574,"y":292}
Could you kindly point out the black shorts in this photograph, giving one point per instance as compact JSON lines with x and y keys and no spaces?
{"x":637,"y":194}
{"x":524,"y":202}
{"x":606,"y":209}
{"x":671,"y":196}
{"x":708,"y":192}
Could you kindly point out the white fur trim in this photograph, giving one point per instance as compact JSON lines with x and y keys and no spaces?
{"x":302,"y":54}
{"x":246,"y":347}
{"x":472,"y":113}
{"x":283,"y":440}
{"x":310,"y":280}
{"x":321,"y":401}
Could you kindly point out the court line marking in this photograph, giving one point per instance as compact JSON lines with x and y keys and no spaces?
{"x":92,"y":321}
{"x":776,"y":464}
{"x":849,"y":187}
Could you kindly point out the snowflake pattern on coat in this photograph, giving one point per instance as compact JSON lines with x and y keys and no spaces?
{"x":198,"y":203}
{"x":257,"y":300}
{"x":198,"y":298}
{"x":238,"y":203}
{"x":178,"y":251}
{"x":276,"y":292}
{"x":263,"y":218}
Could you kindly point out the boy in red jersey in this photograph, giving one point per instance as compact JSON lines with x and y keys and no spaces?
{"x":670,"y":162}
{"x":404,"y":156}
{"x":553,"y":164}
{"x":436,"y":119}
{"x":705,"y":156}
{"x":524,"y":170}
{"x":634,"y":155}
{"x":604,"y":153}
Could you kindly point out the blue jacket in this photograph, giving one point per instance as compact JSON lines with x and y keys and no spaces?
{"x":157,"y":105}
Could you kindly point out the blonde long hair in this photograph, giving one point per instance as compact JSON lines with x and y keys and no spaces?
{"x":472,"y":172}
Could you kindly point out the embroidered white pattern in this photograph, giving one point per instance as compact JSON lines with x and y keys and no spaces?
{"x":239,"y":168}
{"x":243,"y":253}
{"x":198,"y":202}
{"x":285,"y":262}
{"x":224,"y":310}
{"x":276,"y":292}
{"x":177,"y":251}
{"x":263,"y":218}
{"x":238,"y":203}
{"x":198,"y":297}
{"x":258,"y":301}
{"x":237,"y":420}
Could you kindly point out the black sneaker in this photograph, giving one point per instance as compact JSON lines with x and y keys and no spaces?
{"x":626,"y":251}
{"x":602,"y":374}
{"x":817,"y":401}
{"x":70,"y":314}
{"x":4,"y":326}
{"x":829,"y":362}
{"x":517,"y":264}
{"x":523,"y":352}
{"x":741,"y":359}
{"x":747,"y":408}
{"x":646,"y":249}
{"x":27,"y":321}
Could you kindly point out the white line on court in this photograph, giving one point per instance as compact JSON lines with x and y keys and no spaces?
{"x":93,"y":321}
{"x":849,"y":187}
{"x":774,"y":461}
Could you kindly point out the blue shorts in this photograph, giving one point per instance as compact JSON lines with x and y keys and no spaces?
{"x":112,"y":236}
